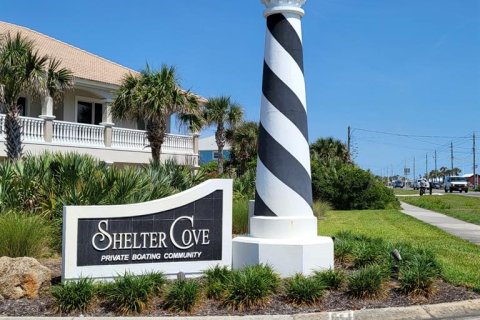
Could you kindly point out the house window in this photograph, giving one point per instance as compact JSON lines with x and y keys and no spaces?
{"x":22,"y":106}
{"x":89,"y":112}
{"x":216,"y":155}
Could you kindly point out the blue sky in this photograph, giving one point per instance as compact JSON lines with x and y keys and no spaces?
{"x":409,"y":67}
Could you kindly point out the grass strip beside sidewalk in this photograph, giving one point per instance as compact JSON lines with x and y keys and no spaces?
{"x":460,"y":207}
{"x":459,"y":259}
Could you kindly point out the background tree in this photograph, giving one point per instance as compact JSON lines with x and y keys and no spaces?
{"x":330,"y":149}
{"x":24,"y":70}
{"x":153,"y":96}
{"x":243,"y":141}
{"x":442,"y":172}
{"x":224,"y":114}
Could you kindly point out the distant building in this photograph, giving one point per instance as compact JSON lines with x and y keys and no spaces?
{"x":471,"y":180}
{"x":208,"y":150}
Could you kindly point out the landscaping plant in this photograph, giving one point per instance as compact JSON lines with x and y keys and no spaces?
{"x":250,"y":287}
{"x":23,"y":235}
{"x":129,"y":294}
{"x":74,"y":295}
{"x":304,"y":290}
{"x":367,"y":282}
{"x":417,"y":275}
{"x":332,"y":279}
{"x":182,"y":296}
{"x":216,"y":281}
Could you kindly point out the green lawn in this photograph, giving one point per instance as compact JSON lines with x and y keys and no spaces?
{"x":403,"y":191}
{"x":463,"y":208}
{"x":460,"y":259}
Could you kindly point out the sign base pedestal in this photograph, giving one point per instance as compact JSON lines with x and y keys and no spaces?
{"x":285,"y":256}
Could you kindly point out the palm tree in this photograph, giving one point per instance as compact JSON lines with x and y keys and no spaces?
{"x":456,"y":171}
{"x":24,"y":70}
{"x":225,"y":114}
{"x":153,"y":96}
{"x":329,"y":149}
{"x":243,"y":140}
{"x":443,"y":172}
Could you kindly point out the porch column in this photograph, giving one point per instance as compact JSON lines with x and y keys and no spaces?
{"x":107,"y":122}
{"x":196,"y":154}
{"x":48,"y":117}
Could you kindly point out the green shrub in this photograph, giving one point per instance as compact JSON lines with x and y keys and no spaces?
{"x":331,"y":279}
{"x":129,"y":293}
{"x":250,"y":287}
{"x":216,"y":281}
{"x":304,"y":290}
{"x":157,"y":281}
{"x":369,"y":252}
{"x":348,"y":187}
{"x":419,"y":273}
{"x":320,"y":208}
{"x":182,"y":296}
{"x":240,"y":216}
{"x":23,"y":235}
{"x":74,"y":295}
{"x":367,"y":282}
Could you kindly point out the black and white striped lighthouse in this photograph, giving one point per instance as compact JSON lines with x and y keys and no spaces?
{"x":283,"y":185}
{"x":283,"y":229}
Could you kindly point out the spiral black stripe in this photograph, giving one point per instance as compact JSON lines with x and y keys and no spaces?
{"x":284,"y":99}
{"x":286,"y":35}
{"x":283,"y":165}
{"x":261,"y":209}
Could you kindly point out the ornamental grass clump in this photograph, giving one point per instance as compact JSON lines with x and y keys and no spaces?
{"x":367,"y":282}
{"x":74,"y":295}
{"x":250,"y":287}
{"x":332,"y":279}
{"x":157,"y":281}
{"x":417,"y":275}
{"x":129,"y":294}
{"x":366,"y":252}
{"x":23,"y":235}
{"x":216,"y":281}
{"x":183,"y":295}
{"x":304,"y":290}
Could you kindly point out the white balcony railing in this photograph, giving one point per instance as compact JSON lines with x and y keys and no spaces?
{"x":137,"y":139}
{"x":73,"y":133}
{"x":87,"y":135}
{"x":129,"y":138}
{"x":178,"y":144}
{"x":32,"y":128}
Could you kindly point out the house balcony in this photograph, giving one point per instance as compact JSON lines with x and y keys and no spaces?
{"x":105,"y":142}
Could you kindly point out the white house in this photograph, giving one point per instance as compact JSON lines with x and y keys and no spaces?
{"x":82,"y":121}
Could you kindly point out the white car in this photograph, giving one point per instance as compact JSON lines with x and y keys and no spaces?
{"x":456,"y":183}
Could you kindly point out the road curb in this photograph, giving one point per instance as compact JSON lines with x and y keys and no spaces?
{"x":449,"y":310}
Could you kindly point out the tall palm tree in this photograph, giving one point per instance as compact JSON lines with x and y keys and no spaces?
{"x":443,"y":172}
{"x":153,"y":96}
{"x":24,"y":70}
{"x":225,"y":114}
{"x":243,"y":140}
{"x":330,"y":149}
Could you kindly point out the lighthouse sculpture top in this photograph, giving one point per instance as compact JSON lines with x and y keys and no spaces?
{"x":284,"y":6}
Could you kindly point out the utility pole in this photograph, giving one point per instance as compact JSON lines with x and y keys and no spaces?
{"x":436,"y":172}
{"x":474,"y":165}
{"x":348,"y":141}
{"x":414,"y":173}
{"x":451,"y":155}
{"x":426,"y":165}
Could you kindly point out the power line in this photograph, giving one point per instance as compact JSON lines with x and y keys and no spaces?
{"x":408,"y":135}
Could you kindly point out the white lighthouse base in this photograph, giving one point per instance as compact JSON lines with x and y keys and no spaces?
{"x":285,"y":256}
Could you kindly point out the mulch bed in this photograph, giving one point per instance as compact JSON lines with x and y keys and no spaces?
{"x":333,"y":301}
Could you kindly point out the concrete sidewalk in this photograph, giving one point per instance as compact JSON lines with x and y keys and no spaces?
{"x":459,"y":228}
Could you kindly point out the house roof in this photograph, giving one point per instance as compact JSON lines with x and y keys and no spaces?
{"x":83,"y":64}
{"x":209,"y":144}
